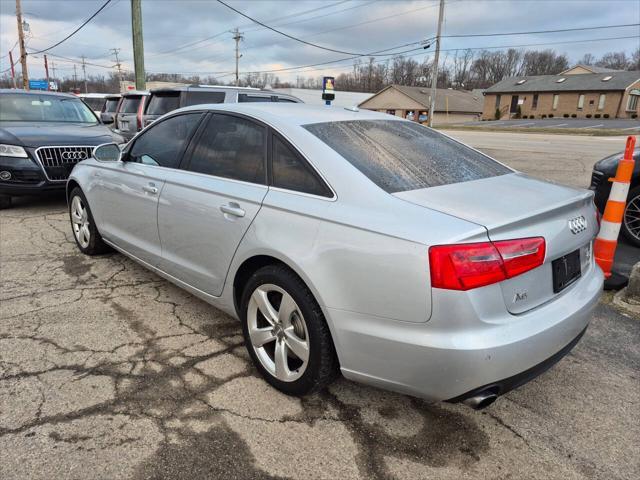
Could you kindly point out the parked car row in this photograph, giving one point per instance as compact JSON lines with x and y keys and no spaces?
{"x":137,"y":109}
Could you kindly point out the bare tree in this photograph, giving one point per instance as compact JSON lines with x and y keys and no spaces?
{"x":545,"y":62}
{"x":614,"y":61}
{"x":587,"y":59}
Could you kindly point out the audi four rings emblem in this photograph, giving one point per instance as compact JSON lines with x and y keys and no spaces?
{"x":578,"y":225}
{"x":80,"y":155}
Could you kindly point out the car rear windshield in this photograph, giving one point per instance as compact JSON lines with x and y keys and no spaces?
{"x":44,"y":108}
{"x":130,"y":104}
{"x":399,"y":156}
{"x":94,"y":103}
{"x":111,"y":105}
{"x":161,"y":103}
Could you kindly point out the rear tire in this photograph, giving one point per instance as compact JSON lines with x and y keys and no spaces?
{"x":631,"y":219}
{"x":291,"y":344}
{"x":83,"y":226}
{"x":5,"y":201}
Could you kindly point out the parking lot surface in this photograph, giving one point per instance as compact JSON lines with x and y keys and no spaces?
{"x":630,"y":125}
{"x":108,"y":371}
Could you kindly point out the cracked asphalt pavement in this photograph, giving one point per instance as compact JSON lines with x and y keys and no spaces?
{"x":109,"y":372}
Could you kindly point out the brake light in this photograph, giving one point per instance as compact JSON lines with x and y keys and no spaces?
{"x":139,"y":114}
{"x":472,"y":265}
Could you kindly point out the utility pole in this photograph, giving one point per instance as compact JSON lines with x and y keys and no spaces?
{"x":118,"y":66}
{"x":75,"y":77}
{"x":138,"y":47}
{"x":53,"y":71}
{"x":434,"y":78}
{"x":84,"y":74}
{"x":237,"y":36}
{"x":23,"y":51}
{"x":13,"y":70}
{"x":46,"y":71}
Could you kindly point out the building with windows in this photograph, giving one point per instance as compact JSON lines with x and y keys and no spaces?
{"x":580,"y":92}
{"x":412,"y":103}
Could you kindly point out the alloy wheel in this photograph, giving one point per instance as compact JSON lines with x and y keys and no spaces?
{"x":80,"y":221}
{"x":632,"y":217}
{"x":278,"y":332}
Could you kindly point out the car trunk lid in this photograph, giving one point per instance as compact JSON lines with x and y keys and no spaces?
{"x":517,"y":206}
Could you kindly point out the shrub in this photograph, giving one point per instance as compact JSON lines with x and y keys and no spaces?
{"x":606,"y":115}
{"x":532,"y":117}
{"x":543,"y":116}
{"x":566,"y":115}
{"x":597,"y":115}
{"x":573,"y":115}
{"x":588,"y":115}
{"x":551,"y":115}
{"x":518,"y":112}
{"x":634,"y":115}
{"x":497,"y":114}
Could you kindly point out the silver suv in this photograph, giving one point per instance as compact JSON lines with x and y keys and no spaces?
{"x":165,"y":100}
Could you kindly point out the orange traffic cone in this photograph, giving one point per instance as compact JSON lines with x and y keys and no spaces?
{"x":606,"y":242}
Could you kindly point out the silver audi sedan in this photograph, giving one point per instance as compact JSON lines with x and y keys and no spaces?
{"x":351,"y":241}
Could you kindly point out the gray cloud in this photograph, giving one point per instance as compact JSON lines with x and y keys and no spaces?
{"x":356,"y":25}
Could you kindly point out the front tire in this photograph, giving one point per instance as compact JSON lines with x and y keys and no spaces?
{"x":285,"y":332}
{"x":631,"y":219}
{"x":83,"y":226}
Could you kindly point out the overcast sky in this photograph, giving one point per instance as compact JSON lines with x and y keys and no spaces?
{"x":358,"y":26}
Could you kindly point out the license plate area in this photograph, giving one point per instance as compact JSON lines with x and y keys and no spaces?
{"x":566,"y":270}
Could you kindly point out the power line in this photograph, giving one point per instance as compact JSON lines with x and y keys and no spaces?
{"x":76,"y":30}
{"x":285,"y":34}
{"x":206,"y":39}
{"x":539,"y":31}
{"x":303,"y":67}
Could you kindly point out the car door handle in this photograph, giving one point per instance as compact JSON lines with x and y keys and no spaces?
{"x":150,"y":189}
{"x":232,"y":208}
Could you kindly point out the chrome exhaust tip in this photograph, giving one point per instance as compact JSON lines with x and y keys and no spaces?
{"x":481,"y":400}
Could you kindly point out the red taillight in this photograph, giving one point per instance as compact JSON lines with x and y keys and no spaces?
{"x":139,"y":114}
{"x":472,"y":265}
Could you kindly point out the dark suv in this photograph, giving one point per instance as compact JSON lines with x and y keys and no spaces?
{"x":128,"y":119}
{"x":42,"y":136}
{"x":164,"y":100}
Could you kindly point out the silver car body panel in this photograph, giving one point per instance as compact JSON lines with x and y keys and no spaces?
{"x":364,"y":256}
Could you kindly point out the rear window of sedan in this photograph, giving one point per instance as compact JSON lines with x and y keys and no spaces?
{"x":399,"y":156}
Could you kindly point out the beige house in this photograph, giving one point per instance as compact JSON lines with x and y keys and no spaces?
{"x":452,"y":106}
{"x":580,"y":92}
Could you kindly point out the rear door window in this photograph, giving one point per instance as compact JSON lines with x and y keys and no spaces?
{"x":130,"y":104}
{"x":161,"y":103}
{"x":399,"y":156}
{"x":199,"y":98}
{"x":291,"y":172}
{"x":231,"y":147}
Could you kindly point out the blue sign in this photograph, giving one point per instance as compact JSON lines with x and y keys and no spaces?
{"x":37,"y":84}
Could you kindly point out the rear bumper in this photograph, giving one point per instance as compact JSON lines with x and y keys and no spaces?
{"x":465,"y":345}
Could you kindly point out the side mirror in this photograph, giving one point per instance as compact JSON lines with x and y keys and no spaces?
{"x":106,"y":119}
{"x":107,"y":152}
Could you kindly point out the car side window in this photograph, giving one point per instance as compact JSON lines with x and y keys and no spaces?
{"x":162,"y":145}
{"x":292,"y":172}
{"x":231,"y":147}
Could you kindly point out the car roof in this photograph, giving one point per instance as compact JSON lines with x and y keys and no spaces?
{"x":205,"y":88}
{"x":132,"y":93}
{"x":293,"y":113}
{"x":19,"y":91}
